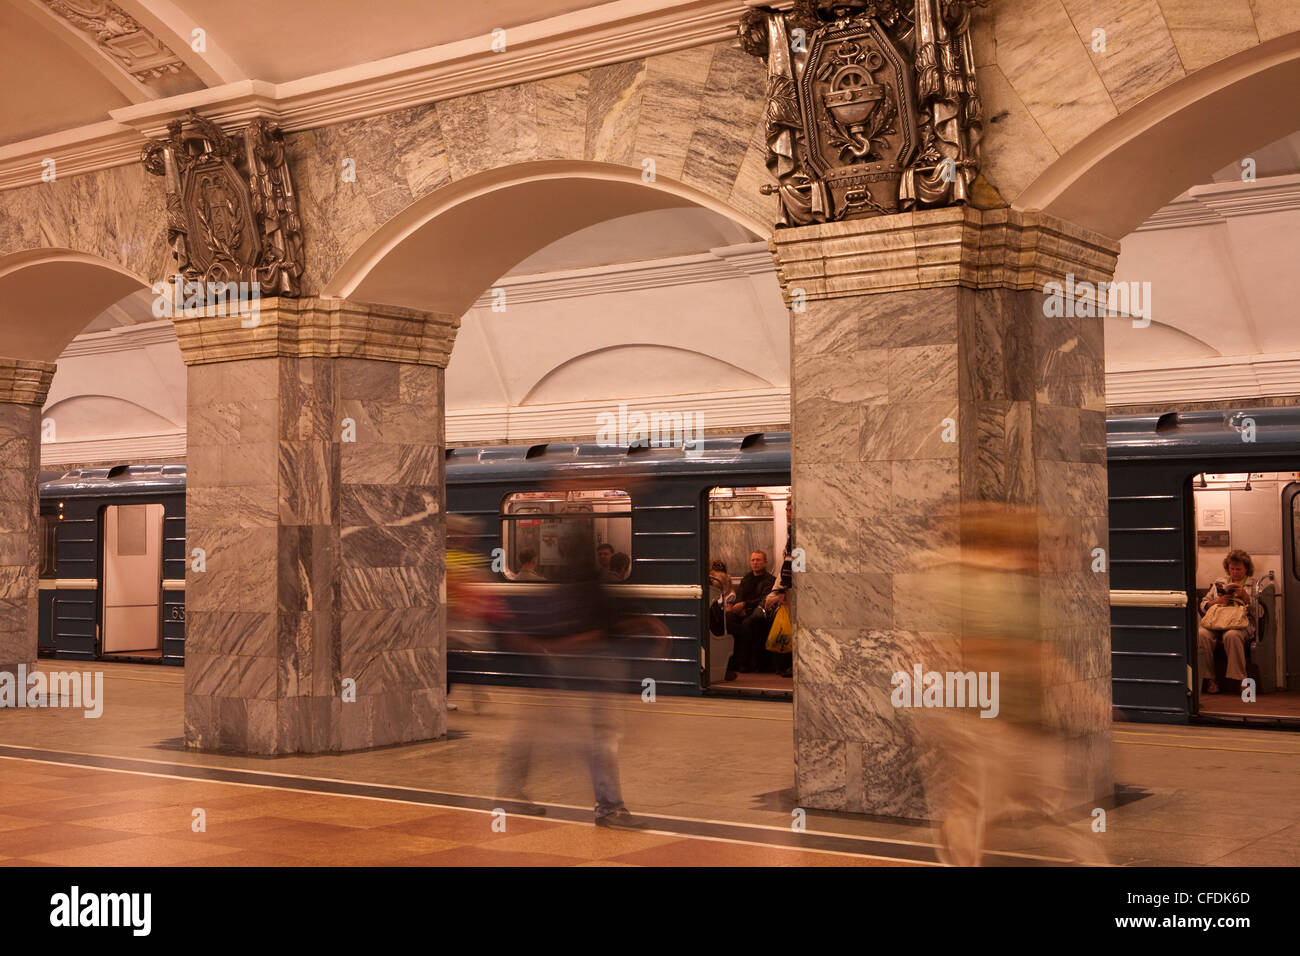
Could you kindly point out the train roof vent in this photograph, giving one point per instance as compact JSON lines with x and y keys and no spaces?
{"x":1167,"y":422}
{"x":536,"y":450}
{"x":752,"y":439}
{"x":117,"y":471}
{"x":504,"y":453}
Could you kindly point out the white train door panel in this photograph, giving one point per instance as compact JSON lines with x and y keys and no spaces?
{"x":132,"y":579}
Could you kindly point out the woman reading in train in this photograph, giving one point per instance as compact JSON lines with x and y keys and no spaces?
{"x":1227,"y":614}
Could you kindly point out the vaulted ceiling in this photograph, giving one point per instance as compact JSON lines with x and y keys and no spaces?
{"x":76,"y":60}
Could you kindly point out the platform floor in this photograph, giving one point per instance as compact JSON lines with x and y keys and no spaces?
{"x":712,"y":777}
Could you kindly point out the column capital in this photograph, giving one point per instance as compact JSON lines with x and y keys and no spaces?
{"x":24,"y":381}
{"x":315,"y":328}
{"x":931,"y":248}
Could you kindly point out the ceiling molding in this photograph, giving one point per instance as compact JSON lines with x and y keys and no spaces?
{"x":1206,"y":379}
{"x":716,"y":265}
{"x":131,"y":449}
{"x":121,"y":339}
{"x":1212,"y":204}
{"x":598,"y":36}
{"x":756,"y":408}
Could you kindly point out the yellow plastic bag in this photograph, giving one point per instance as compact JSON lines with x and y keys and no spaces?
{"x":780,"y":639}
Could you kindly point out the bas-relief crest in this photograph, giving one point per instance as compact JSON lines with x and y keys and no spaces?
{"x":232,"y":215}
{"x":872,"y":106}
{"x":121,"y":37}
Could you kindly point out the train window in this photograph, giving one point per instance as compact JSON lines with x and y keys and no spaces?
{"x":744,"y":520}
{"x":49,"y":546}
{"x":543,"y":531}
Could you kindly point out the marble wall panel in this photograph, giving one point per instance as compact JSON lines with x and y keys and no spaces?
{"x":1016,"y":150}
{"x":673,"y":86}
{"x":923,"y":487}
{"x":729,"y":112}
{"x":923,"y":373}
{"x":421,"y":153}
{"x":315,"y":160}
{"x":561,"y":116}
{"x":997,"y":362}
{"x":847,"y":377}
{"x":614,"y":95}
{"x":1273,"y":18}
{"x":1206,"y":31}
{"x":826,"y":328}
{"x":19,"y":526}
{"x":747,"y":194}
{"x":821,"y":771}
{"x":1040,"y":31}
{"x":908,"y":430}
{"x":1139,"y":56}
{"x":118,"y":214}
{"x":324,"y":556}
{"x":834,"y":489}
{"x":824,"y":426}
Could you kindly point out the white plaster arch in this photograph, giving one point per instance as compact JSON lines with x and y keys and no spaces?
{"x":49,"y":296}
{"x":1126,"y":343}
{"x":533,"y":203}
{"x":94,"y":416}
{"x":688,"y":364}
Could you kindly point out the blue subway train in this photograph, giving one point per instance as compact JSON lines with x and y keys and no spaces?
{"x":1185,"y":488}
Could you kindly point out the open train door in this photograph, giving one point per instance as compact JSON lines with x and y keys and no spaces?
{"x":1289,"y":634}
{"x":131,"y":614}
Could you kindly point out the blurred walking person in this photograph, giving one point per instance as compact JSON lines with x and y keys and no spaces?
{"x":573,"y":616}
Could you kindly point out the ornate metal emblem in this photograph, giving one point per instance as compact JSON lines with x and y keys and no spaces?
{"x":872,"y":106}
{"x":231,"y":211}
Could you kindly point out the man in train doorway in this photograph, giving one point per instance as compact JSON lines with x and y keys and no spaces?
{"x":749,"y":620}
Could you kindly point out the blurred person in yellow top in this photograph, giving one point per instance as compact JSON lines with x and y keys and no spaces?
{"x":998,"y":617}
{"x":473,"y":613}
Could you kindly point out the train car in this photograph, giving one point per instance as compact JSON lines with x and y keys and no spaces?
{"x":670,"y":511}
{"x":112,"y":564}
{"x":1185,"y":488}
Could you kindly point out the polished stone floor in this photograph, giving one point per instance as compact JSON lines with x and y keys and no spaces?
{"x":712,"y":778}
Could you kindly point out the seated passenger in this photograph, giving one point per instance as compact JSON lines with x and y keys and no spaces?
{"x":719,"y":605}
{"x":620,"y":565}
{"x":603,"y":555}
{"x":1234,"y":624}
{"x":783,"y":663}
{"x":528,"y":566}
{"x":748,"y":620}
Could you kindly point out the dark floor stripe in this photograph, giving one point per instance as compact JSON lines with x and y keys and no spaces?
{"x":858,"y":846}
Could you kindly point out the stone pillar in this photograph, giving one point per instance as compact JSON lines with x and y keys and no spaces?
{"x":23,"y":387}
{"x":927,"y":384}
{"x":314,"y":513}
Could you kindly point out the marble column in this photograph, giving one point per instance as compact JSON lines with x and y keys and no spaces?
{"x":314,"y":513}
{"x":23,"y":387}
{"x":937,"y":412}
